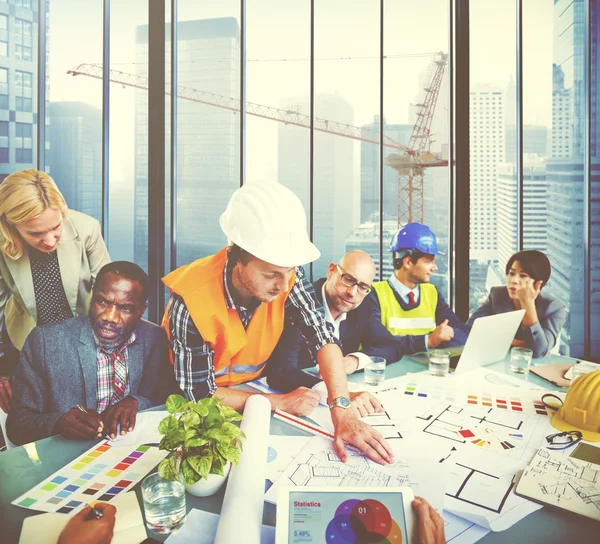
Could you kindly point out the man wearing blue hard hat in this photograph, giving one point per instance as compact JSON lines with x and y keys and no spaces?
{"x":408,"y":304}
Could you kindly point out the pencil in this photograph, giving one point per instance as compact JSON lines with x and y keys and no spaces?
{"x":302,"y":424}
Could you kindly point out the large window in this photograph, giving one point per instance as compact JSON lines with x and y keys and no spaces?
{"x":552,"y":175}
{"x":415,"y":131}
{"x":278,"y":83}
{"x":208,"y":137}
{"x":346,"y":93}
{"x":362,"y":189}
{"x":492,"y":125}
{"x":74,"y":105}
{"x":594,"y":193}
{"x":128,"y":182}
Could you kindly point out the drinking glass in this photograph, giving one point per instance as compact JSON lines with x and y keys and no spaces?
{"x":439,"y":362}
{"x":520,"y":359}
{"x":583,"y":367}
{"x":164,"y":503}
{"x":375,"y":370}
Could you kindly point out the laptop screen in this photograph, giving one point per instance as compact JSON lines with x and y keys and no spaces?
{"x":344,"y":517}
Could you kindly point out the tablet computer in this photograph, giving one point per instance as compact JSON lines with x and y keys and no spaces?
{"x":344,"y":515}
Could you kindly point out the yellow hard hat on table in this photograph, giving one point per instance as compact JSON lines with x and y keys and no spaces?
{"x":581,"y":409}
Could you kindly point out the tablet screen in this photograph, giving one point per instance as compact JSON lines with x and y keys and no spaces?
{"x":339,"y":517}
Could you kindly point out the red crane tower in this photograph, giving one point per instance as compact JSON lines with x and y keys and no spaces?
{"x":413,"y":159}
{"x":410,"y":165}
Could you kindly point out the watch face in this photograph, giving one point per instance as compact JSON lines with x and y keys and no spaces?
{"x":343,"y":401}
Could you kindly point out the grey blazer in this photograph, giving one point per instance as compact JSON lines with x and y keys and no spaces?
{"x":81,"y":255}
{"x":57,"y":371}
{"x":542,"y":336}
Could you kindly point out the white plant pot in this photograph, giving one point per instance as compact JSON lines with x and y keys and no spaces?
{"x":210,"y":485}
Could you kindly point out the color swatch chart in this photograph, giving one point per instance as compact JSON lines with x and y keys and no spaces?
{"x":100,"y":474}
{"x":487,"y":438}
{"x":503,"y":398}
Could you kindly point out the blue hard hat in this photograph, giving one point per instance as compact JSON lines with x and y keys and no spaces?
{"x":415,"y":237}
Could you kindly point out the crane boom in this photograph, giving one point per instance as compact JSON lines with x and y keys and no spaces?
{"x":288,"y":117}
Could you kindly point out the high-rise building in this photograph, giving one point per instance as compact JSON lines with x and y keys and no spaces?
{"x":18,"y":79}
{"x":487,"y":152}
{"x":487,"y":147}
{"x":562,"y":116}
{"x":535,"y":137}
{"x":74,"y":154}
{"x":535,"y":142}
{"x":208,"y":161}
{"x":535,"y":211}
{"x":565,"y":171}
{"x":335,"y":212}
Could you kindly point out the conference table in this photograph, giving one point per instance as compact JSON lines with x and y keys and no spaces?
{"x":24,"y":467}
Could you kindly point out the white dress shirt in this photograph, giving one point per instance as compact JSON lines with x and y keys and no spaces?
{"x":362,"y":358}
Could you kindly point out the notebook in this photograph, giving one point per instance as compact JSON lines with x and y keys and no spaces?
{"x":564,"y":482}
{"x":129,"y":524}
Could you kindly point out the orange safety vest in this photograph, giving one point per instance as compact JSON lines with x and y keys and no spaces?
{"x":236,"y":350}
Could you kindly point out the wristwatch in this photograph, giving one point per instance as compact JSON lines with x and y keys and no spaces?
{"x":342,"y":402}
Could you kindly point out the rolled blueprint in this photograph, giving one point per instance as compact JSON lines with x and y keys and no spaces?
{"x":242,"y":510}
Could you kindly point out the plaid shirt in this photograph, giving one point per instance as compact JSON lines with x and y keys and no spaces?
{"x":105,"y":365}
{"x":193,"y":357}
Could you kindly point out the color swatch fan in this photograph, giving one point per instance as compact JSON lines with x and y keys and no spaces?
{"x":489,"y":438}
{"x":101,"y":473}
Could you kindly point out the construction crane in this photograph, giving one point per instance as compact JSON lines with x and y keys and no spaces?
{"x":413,"y":160}
{"x":410,"y":166}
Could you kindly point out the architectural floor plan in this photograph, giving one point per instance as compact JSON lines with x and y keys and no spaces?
{"x":562,"y":481}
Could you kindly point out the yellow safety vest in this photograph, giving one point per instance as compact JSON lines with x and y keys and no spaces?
{"x":417,"y":321}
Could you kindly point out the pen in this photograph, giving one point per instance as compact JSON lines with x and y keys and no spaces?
{"x":82,"y":409}
{"x":95,"y":513}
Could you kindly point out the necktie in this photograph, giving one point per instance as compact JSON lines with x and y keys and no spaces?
{"x":119,"y":379}
{"x":411,"y":299}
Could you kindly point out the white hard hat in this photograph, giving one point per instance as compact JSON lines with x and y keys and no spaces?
{"x":268,"y":221}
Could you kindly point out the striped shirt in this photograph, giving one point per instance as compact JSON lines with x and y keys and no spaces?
{"x":106,"y":362}
{"x":193,"y":357}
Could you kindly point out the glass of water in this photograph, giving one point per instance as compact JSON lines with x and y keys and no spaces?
{"x":439,"y":362}
{"x":164,"y":503}
{"x":583,"y":367}
{"x":520,"y":359}
{"x":375,"y":370}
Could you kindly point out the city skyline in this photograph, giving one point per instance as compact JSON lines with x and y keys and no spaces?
{"x":346,"y":172}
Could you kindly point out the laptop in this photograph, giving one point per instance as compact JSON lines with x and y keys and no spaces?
{"x":489,"y":340}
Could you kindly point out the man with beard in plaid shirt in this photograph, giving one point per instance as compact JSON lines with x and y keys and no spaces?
{"x":87,"y":377}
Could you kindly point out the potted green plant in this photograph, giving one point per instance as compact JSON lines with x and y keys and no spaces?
{"x":204,"y":441}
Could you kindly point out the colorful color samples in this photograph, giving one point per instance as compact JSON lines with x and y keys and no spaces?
{"x":101,"y":473}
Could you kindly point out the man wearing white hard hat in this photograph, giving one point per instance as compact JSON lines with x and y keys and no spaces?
{"x":227,"y":312}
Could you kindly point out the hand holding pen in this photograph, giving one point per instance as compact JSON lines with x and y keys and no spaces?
{"x":90,"y":526}
{"x":80,"y":423}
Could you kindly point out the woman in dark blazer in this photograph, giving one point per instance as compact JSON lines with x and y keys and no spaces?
{"x":526,"y":273}
{"x":49,"y":257}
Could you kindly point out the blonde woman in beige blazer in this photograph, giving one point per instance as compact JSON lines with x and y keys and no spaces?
{"x":49,"y":257}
